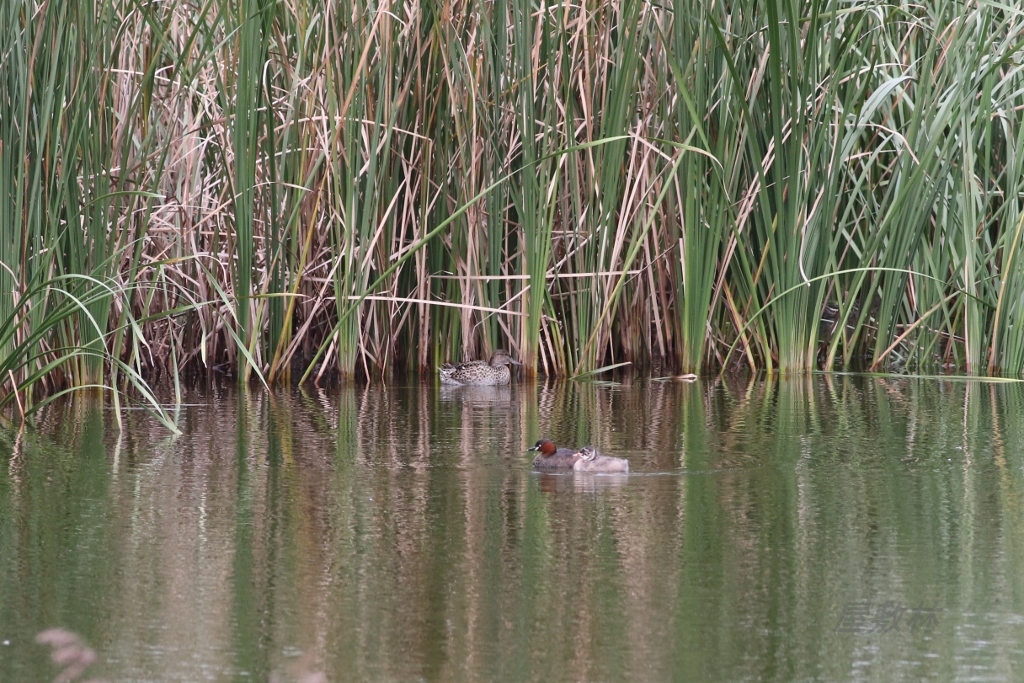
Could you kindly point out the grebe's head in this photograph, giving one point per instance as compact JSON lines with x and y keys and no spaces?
{"x":545,"y":446}
{"x":587,"y":453}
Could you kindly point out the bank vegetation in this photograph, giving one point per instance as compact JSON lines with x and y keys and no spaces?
{"x":282,"y":189}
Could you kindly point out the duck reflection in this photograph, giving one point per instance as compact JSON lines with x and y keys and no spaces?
{"x":476,"y":395}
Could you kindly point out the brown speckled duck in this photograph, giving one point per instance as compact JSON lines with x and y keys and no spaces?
{"x":551,"y":457}
{"x":477,"y":372}
{"x":592,"y":461}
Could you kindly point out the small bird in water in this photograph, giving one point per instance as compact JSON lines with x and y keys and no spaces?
{"x":551,"y":457}
{"x":592,"y":461}
{"x":478,"y":372}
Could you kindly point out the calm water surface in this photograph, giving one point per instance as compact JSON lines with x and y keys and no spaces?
{"x":828,"y":529}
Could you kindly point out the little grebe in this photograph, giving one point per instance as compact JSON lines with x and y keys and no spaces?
{"x":552,"y":457}
{"x":592,"y":461}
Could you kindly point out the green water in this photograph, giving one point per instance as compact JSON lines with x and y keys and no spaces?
{"x":397,"y":534}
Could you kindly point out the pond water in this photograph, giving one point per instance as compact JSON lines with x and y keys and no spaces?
{"x":827,"y":528}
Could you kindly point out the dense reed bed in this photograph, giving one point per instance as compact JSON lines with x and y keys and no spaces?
{"x":355,"y":187}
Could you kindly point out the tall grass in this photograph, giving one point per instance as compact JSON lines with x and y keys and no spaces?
{"x":356,"y":187}
{"x":70,"y":239}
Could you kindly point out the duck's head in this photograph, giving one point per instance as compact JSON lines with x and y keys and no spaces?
{"x":501,"y":357}
{"x":545,"y":446}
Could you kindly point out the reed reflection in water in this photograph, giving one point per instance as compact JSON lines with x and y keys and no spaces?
{"x":386,"y":533}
